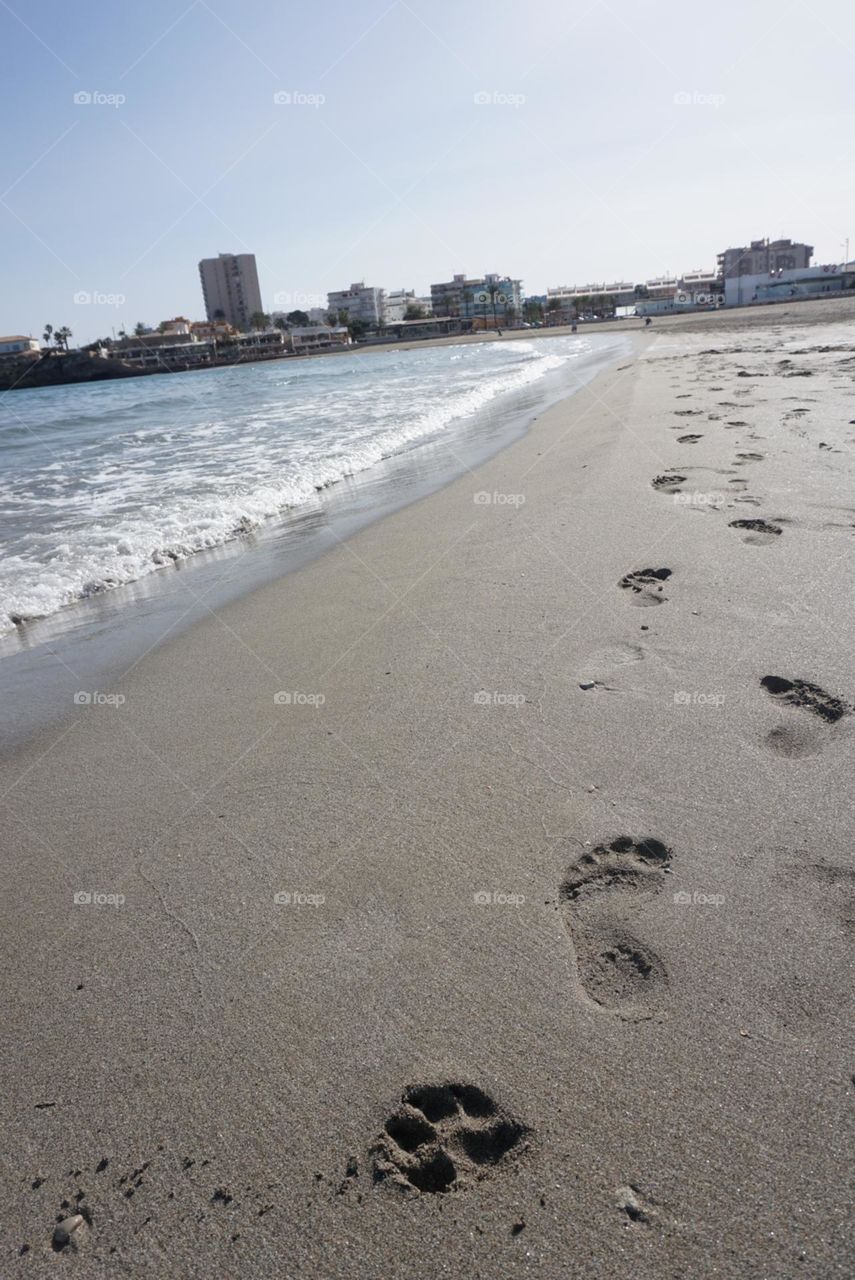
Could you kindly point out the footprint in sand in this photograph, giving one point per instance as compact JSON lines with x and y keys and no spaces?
{"x":801,"y":693}
{"x":798,"y":739}
{"x":757,"y":532}
{"x":689,"y":439}
{"x":642,"y":583}
{"x":599,"y":893}
{"x":669,"y":483}
{"x":837,"y":887}
{"x":443,"y":1137}
{"x":742,"y":458}
{"x":604,"y":665}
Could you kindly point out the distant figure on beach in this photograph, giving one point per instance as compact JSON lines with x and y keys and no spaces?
{"x":573,"y":327}
{"x":647,"y":321}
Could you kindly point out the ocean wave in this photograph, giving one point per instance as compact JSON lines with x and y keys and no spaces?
{"x":121,"y":503}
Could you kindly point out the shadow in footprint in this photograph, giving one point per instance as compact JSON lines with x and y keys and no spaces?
{"x":798,"y":738}
{"x":642,"y":583}
{"x":442,"y":1137}
{"x":758,"y":532}
{"x":615,"y":970}
{"x":691,"y":439}
{"x":801,"y":693}
{"x":668,"y":483}
{"x":793,"y":741}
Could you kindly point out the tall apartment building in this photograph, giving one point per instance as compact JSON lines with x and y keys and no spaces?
{"x":482,"y":298}
{"x":763,"y":257}
{"x":230,"y":288}
{"x":360,"y":302}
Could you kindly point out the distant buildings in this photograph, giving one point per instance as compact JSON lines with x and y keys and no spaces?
{"x":491,"y":300}
{"x":741,"y":268}
{"x":214,"y":343}
{"x":788,"y":285}
{"x":360,"y":302}
{"x":230,"y":288}
{"x":15,"y":343}
{"x":399,"y":301}
{"x":762,"y":257}
{"x":569,"y":302}
{"x":319,"y":337}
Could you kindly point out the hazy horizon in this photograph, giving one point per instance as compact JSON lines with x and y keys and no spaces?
{"x":399,"y":143}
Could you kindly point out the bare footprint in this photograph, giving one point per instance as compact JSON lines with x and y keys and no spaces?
{"x":691,"y":439}
{"x":801,"y":693}
{"x":603,"y":665}
{"x":599,"y":892}
{"x":669,"y":483}
{"x":798,"y":737}
{"x":642,"y":583}
{"x":758,"y":532}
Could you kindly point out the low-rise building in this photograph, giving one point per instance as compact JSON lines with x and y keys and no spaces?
{"x":399,"y":301}
{"x":360,"y":302}
{"x":179,"y":325}
{"x":741,"y":268}
{"x":700,"y":288}
{"x":762,"y":257}
{"x":204,"y":330}
{"x":319,"y":337}
{"x":489,"y":301}
{"x":178,"y":351}
{"x":427,"y":327}
{"x":566,"y":303}
{"x":16,"y":343}
{"x":788,"y":285}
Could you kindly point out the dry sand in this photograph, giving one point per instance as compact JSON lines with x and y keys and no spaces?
{"x":635,"y":1058}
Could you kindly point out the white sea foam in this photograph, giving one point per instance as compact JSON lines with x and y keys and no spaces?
{"x":102,"y":484}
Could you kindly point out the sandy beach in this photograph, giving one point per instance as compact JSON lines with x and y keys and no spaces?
{"x":479,"y":899}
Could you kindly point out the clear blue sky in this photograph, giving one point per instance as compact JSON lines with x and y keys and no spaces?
{"x":582,"y":165}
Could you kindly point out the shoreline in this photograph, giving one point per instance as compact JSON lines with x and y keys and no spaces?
{"x":100,"y":635}
{"x":808,"y":312}
{"x":440,"y":927}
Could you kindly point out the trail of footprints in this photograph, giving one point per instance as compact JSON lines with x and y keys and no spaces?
{"x":443,"y":1137}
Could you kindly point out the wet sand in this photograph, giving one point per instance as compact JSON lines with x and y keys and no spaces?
{"x":478,"y":900}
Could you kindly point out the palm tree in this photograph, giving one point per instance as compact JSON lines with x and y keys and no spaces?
{"x":553,"y":306}
{"x":493,"y":289}
{"x":139,"y":328}
{"x":258,"y":320}
{"x":62,"y":335}
{"x":47,"y":336}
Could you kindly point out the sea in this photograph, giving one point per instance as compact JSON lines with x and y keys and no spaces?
{"x":110,"y":490}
